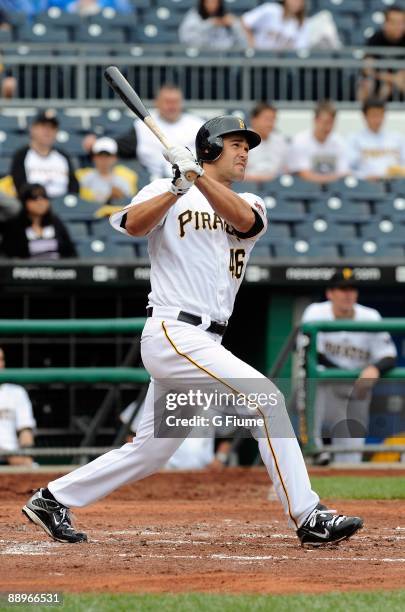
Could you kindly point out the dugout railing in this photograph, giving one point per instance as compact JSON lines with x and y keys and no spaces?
{"x":310,"y":374}
{"x":124,"y":373}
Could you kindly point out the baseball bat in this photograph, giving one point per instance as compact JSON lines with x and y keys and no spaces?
{"x":128,"y":95}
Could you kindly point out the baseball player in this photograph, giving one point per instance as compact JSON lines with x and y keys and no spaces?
{"x":200,"y":236}
{"x":343,"y":407}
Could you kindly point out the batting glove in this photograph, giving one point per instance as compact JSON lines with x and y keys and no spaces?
{"x":180,"y":185}
{"x":177,"y":154}
{"x":187,"y":166}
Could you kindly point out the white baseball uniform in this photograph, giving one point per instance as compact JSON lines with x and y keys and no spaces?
{"x":197,"y":266}
{"x":335,"y":403}
{"x":15,"y":415}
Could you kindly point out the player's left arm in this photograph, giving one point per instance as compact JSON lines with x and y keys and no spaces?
{"x":231,"y":207}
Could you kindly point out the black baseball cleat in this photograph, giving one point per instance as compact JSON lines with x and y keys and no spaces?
{"x":323,"y":526}
{"x":53,"y":517}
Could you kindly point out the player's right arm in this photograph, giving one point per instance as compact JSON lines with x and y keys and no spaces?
{"x":139,"y":220}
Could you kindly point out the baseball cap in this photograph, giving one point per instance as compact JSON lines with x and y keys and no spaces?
{"x":343,"y":279}
{"x":105,"y":145}
{"x":46,"y":116}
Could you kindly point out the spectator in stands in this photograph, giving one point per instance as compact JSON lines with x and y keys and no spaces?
{"x":383,"y":84}
{"x":8,"y":85}
{"x":275,"y":26}
{"x":319,"y":155}
{"x":36,"y":233}
{"x":209,"y":26}
{"x":16,"y":421}
{"x":42,"y":162}
{"x":29,"y":7}
{"x":376,"y":153}
{"x":178,"y":126}
{"x":108,"y":182}
{"x":87,"y":8}
{"x":269,"y":159}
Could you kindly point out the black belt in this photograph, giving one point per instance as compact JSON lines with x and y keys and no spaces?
{"x":187,"y":317}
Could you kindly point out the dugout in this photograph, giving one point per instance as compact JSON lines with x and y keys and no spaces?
{"x":269,"y":304}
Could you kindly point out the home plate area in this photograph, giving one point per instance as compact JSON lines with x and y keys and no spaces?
{"x":196,"y":531}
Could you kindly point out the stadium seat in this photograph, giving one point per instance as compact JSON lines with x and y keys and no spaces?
{"x":94,"y":32}
{"x":397,"y":186}
{"x":350,"y":187}
{"x":345,"y":6}
{"x":279,"y":209}
{"x":71,"y":143}
{"x":110,"y":18}
{"x":112,"y":122}
{"x":239,"y":6}
{"x":70,"y":123}
{"x":71,"y":208}
{"x":100,"y":227}
{"x":39,"y":32}
{"x":340,"y":209}
{"x":260,"y":251}
{"x":328,"y":230}
{"x":6,"y":36}
{"x":164,"y":16}
{"x":289,"y":185}
{"x":146,"y":4}
{"x":300,"y":249}
{"x":383,"y":229}
{"x":154,"y":34}
{"x":183,"y":5}
{"x":9,"y":143}
{"x":94,"y":248}
{"x":391,"y":208}
{"x":78,"y":230}
{"x":5,"y":163}
{"x":55,"y":17}
{"x":370,"y":248}
{"x":277,"y":230}
{"x":9,"y":124}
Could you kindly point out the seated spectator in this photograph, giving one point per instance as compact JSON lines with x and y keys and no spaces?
{"x":86,"y":8}
{"x":269,"y":159}
{"x":376,"y":153}
{"x":319,"y":154}
{"x":16,"y":421}
{"x":208,"y":26}
{"x":108,"y":182}
{"x":8,"y":85}
{"x":383,"y":84}
{"x":42,"y":162}
{"x":179,"y":127}
{"x":275,"y":26}
{"x":36,"y":232}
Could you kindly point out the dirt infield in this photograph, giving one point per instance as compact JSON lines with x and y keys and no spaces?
{"x":207,"y":531}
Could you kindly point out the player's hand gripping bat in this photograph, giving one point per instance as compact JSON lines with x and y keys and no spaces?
{"x":120,"y":85}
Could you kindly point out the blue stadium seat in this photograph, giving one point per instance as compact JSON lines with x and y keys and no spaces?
{"x":154,"y":34}
{"x":94,"y":32}
{"x":183,"y":5}
{"x":239,"y":6}
{"x":353,"y":188}
{"x":328,"y":230}
{"x":39,"y":32}
{"x":288,"y":185}
{"x":10,"y":142}
{"x":78,"y":230}
{"x":164,"y":16}
{"x":340,"y":209}
{"x":71,"y":143}
{"x":112,"y":122}
{"x":70,"y":123}
{"x":5,"y":163}
{"x":101,"y":227}
{"x":391,"y":208}
{"x":346,"y":6}
{"x":6,"y":36}
{"x":9,"y":124}
{"x":397,"y":186}
{"x":383,"y":229}
{"x":144,"y":4}
{"x":302,"y":249}
{"x":371,"y":248}
{"x":109,"y":18}
{"x":95,"y":248}
{"x":260,"y":251}
{"x":277,"y":230}
{"x":54,"y":17}
{"x":71,"y":208}
{"x":279,"y":209}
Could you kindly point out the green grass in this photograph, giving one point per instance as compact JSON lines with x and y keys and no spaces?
{"x":394,"y":601}
{"x":359,"y":487}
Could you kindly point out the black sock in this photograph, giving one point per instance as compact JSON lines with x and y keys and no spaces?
{"x":48,"y":495}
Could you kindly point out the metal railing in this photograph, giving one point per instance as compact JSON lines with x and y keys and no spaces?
{"x":67,"y":72}
{"x":312,"y":374}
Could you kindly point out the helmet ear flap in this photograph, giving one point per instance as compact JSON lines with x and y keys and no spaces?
{"x":214,"y":149}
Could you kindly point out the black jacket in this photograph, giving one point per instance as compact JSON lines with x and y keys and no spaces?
{"x":15,"y":242}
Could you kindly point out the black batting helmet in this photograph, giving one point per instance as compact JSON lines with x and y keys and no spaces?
{"x":209,"y":142}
